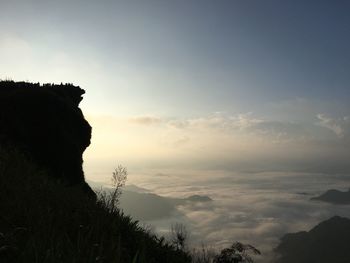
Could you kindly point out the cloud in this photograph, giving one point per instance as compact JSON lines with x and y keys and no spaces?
{"x":338,"y":126}
{"x":178,"y":124}
{"x":219,"y":121}
{"x":146,"y":120}
{"x":181,"y":141}
{"x":246,"y":121}
{"x":245,"y":124}
{"x":256,"y":209}
{"x":234,"y":142}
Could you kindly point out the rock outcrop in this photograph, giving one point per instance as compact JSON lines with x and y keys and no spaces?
{"x":45,"y":123}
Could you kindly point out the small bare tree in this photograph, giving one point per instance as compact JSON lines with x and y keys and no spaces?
{"x":179,"y":235}
{"x":118,"y":180}
{"x":204,"y":254}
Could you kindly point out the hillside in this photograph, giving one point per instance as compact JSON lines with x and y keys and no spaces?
{"x":45,"y":221}
{"x":326,"y":242}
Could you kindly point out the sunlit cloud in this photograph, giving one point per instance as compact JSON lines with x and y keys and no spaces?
{"x":146,"y":120}
{"x":240,"y":142}
{"x":339,"y":126}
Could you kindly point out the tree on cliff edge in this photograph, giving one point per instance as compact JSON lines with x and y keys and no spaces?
{"x":237,"y":253}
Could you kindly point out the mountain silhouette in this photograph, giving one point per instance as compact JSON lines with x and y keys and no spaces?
{"x":199,"y":198}
{"x":327,"y":242}
{"x":334,"y":197}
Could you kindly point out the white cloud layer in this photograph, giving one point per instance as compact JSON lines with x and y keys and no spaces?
{"x":255,"y":208}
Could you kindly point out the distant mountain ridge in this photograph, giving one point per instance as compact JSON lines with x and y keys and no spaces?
{"x":327,"y":242}
{"x":199,"y":198}
{"x":135,"y":201}
{"x":335,"y":197}
{"x":137,"y":204}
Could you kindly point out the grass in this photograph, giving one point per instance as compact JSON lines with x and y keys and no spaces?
{"x":43,"y":220}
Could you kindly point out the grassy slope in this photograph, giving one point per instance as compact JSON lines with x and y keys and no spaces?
{"x":44,"y":221}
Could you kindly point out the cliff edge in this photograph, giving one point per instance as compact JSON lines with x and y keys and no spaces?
{"x":47,"y":125}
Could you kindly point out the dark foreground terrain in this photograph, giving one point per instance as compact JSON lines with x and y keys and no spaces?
{"x":328,"y":242}
{"x":43,"y":220}
{"x":48,"y":213}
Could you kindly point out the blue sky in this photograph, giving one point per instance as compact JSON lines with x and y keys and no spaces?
{"x":283,"y":66}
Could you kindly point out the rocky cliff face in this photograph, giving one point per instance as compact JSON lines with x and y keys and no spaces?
{"x":46,"y":123}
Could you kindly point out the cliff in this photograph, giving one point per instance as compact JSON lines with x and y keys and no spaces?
{"x":46,"y":124}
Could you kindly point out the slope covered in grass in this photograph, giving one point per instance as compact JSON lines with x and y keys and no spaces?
{"x":42,"y":220}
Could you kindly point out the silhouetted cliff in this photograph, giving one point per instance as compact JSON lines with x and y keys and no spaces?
{"x":46,"y":123}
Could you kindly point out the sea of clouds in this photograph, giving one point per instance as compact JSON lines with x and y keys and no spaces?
{"x":253,"y":208}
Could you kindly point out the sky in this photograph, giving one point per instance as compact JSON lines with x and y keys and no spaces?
{"x":221,"y":85}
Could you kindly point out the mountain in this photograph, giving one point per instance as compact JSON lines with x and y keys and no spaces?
{"x":327,"y":242}
{"x":137,"y":204}
{"x":135,"y":201}
{"x":199,"y":198}
{"x":334,"y":197}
